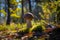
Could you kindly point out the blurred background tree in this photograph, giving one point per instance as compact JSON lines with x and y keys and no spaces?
{"x":42,"y":10}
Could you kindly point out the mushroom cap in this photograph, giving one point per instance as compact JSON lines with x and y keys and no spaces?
{"x":28,"y":16}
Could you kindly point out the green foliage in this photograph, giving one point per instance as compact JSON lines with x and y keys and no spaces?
{"x":2,"y":28}
{"x":2,"y":11}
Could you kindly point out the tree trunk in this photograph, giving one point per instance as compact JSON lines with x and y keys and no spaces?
{"x":22,"y":19}
{"x":8,"y":14}
{"x":30,"y":9}
{"x":0,"y":18}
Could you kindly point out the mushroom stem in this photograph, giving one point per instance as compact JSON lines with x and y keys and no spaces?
{"x":29,"y":25}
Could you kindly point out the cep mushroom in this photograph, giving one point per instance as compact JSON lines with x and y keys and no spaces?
{"x":28,"y":17}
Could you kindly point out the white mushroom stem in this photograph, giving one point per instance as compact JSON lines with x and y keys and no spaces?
{"x":29,"y":25}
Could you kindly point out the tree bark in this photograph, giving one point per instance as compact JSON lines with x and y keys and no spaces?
{"x":30,"y":9}
{"x":22,"y":19}
{"x":8,"y":14}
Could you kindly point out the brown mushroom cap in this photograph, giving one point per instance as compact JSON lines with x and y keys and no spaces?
{"x":28,"y":16}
